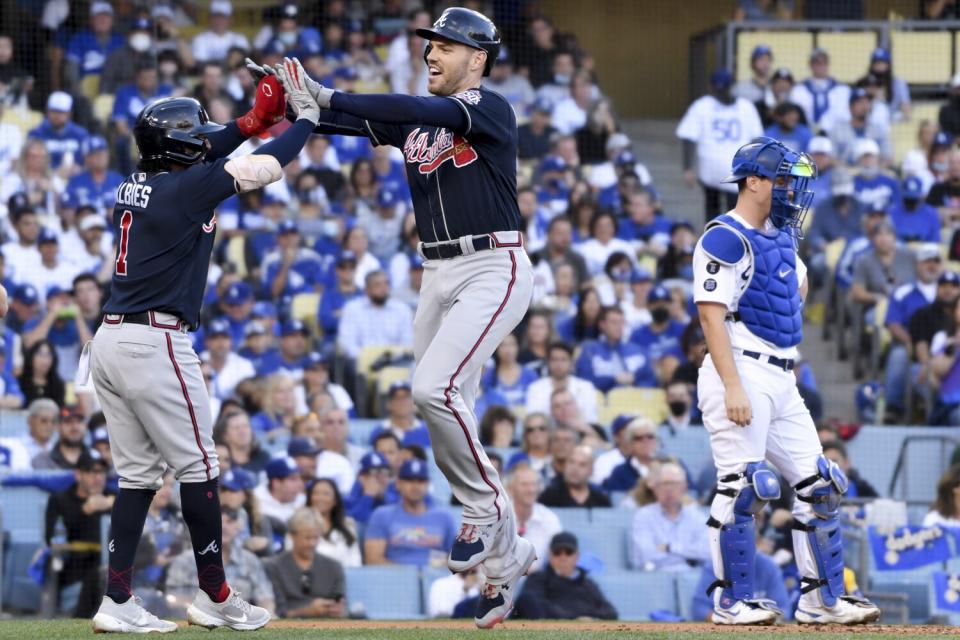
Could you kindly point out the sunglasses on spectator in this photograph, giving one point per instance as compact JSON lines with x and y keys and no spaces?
{"x":563,"y":551}
{"x":644,"y":436}
{"x":535,"y":427}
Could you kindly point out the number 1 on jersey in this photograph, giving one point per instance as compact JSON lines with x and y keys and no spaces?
{"x":126,"y":220}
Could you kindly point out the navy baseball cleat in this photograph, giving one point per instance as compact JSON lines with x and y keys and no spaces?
{"x":473,"y":545}
{"x":496,"y":600}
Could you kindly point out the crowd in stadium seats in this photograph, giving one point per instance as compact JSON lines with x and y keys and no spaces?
{"x":307,"y":323}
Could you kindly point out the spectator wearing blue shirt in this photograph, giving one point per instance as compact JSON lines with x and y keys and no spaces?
{"x":643,"y":223}
{"x":369,"y":489}
{"x":903,"y":303}
{"x":820,"y":149}
{"x":279,"y":406}
{"x":129,"y":101}
{"x":401,"y":418}
{"x":293,"y":348}
{"x":258,"y":348}
{"x":390,"y":173}
{"x":788,"y":128}
{"x":610,"y":362}
{"x":839,"y":216}
{"x":87,"y":51}
{"x":98,"y":184}
{"x":507,"y":375}
{"x":669,"y":534}
{"x":552,"y":188}
{"x":874,"y":189}
{"x":272,"y":212}
{"x":642,"y":444}
{"x":337,"y":295}
{"x":660,"y":338}
{"x":914,"y":219}
{"x":291,"y":268}
{"x":24,"y":309}
{"x":533,"y":137}
{"x":11,"y":397}
{"x":409,"y":532}
{"x":61,"y":136}
{"x":63,"y":327}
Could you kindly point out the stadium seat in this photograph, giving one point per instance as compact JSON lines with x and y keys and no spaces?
{"x":651,"y":403}
{"x":90,"y":86}
{"x":304,"y":308}
{"x":20,"y":592}
{"x":236,"y":254}
{"x":13,"y":424}
{"x":23,"y":513}
{"x":23,"y":119}
{"x":790,"y":50}
{"x":687,"y":582}
{"x":635,"y":594}
{"x":607,"y":539}
{"x":573,"y":518}
{"x":103,"y":107}
{"x":850,"y":53}
{"x":916,"y":584}
{"x":692,"y":446}
{"x":923,"y":57}
{"x":361,"y":429}
{"x":385,"y":592}
{"x":429,"y":575}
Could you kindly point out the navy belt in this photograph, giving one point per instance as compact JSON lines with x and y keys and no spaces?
{"x":448,"y":250}
{"x":779,"y":363}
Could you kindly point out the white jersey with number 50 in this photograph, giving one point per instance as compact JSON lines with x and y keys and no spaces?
{"x":718,"y":130}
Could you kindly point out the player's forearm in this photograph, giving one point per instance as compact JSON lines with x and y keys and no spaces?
{"x":339,"y":123}
{"x":712,"y":319}
{"x":288,"y":145}
{"x":223,"y":142}
{"x":391,"y":108}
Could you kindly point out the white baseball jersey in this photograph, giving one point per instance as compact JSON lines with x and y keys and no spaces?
{"x":718,"y":130}
{"x":837,"y":107}
{"x":716,"y":282}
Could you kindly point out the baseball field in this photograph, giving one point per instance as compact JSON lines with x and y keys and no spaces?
{"x":517,"y":630}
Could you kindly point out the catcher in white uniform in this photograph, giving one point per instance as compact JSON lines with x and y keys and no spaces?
{"x":749,"y":289}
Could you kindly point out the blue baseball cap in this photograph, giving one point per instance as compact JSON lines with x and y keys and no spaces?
{"x":47,"y":236}
{"x":858,"y":93}
{"x":237,"y":479}
{"x":913,"y":188}
{"x":625,"y":158}
{"x":620,"y":422}
{"x":413,"y":469}
{"x":942,"y":139}
{"x":373,"y":460}
{"x":721,"y":79}
{"x":346,"y":256}
{"x":314,"y":359}
{"x":254,"y":328}
{"x":293,"y":326}
{"x":141,"y":24}
{"x":543,"y":105}
{"x":218,"y":327}
{"x":93,"y":143}
{"x":640,"y":275}
{"x":69,"y":200}
{"x":386,"y":198}
{"x":26,"y":294}
{"x":399,"y":385}
{"x":99,"y":435}
{"x":288,"y":226}
{"x":761,"y":50}
{"x":269,"y":197}
{"x":880,"y":54}
{"x":302,"y":447}
{"x":658,"y":294}
{"x":353,"y":25}
{"x":553,"y":163}
{"x":949,"y":277}
{"x":279,"y":468}
{"x":264,"y":309}
{"x":55,"y":290}
{"x":238,"y":293}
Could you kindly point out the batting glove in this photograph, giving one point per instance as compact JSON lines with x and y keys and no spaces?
{"x":319,"y":92}
{"x":259,"y":71}
{"x":293,"y":79}
{"x":268,"y":108}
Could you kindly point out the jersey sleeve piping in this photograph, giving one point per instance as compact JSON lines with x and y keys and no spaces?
{"x":373,"y":136}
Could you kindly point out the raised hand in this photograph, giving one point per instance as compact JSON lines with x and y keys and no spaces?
{"x":259,"y":71}
{"x":319,"y":92}
{"x":293,"y":79}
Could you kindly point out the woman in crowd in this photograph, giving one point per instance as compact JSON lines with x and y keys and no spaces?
{"x":363,"y":184}
{"x":39,"y":378}
{"x":233,"y":430}
{"x":535,"y":445}
{"x":338,"y":532}
{"x":536,"y":339}
{"x":563,"y":301}
{"x":255,"y":530}
{"x":582,"y":326}
{"x":508,"y":376}
{"x":34,"y":177}
{"x":357,"y":241}
{"x":279,"y":407}
{"x":498,"y":428}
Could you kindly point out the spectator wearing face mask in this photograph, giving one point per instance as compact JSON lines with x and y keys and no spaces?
{"x":875,"y":189}
{"x":914,"y":219}
{"x":121,"y":65}
{"x":679,"y":403}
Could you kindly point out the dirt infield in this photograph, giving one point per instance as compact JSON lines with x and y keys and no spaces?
{"x":627,"y":627}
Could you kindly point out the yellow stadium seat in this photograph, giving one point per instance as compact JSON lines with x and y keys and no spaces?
{"x":372,"y":87}
{"x":23,"y":119}
{"x":849,"y":53}
{"x":369,"y":355}
{"x":903,"y":134}
{"x":649,"y":263}
{"x":833,"y":251}
{"x":922,"y":57}
{"x":236,"y":254}
{"x":791,"y":49}
{"x":388,"y":375}
{"x":90,"y":86}
{"x":304,"y":307}
{"x":926,"y":110}
{"x":103,"y":107}
{"x":381,"y":52}
{"x":650,"y":403}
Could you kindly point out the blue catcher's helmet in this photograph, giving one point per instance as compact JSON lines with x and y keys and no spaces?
{"x":771,"y":159}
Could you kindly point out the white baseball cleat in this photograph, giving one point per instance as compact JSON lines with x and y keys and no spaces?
{"x":848,"y":610}
{"x":473,"y":545}
{"x":746,"y":612}
{"x":234,"y":613}
{"x":129,"y":617}
{"x":496,"y":600}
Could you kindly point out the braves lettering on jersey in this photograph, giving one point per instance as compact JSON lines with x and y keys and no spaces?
{"x":164,"y":224}
{"x":462,"y":182}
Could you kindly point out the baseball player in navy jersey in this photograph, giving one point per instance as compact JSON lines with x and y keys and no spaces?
{"x":145,"y":371}
{"x":460,"y":146}
{"x":749,"y":288}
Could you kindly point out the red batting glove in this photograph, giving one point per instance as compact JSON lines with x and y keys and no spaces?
{"x":269,"y":107}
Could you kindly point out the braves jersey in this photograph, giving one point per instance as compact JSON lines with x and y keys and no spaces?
{"x":461,"y":182}
{"x":165,"y":226}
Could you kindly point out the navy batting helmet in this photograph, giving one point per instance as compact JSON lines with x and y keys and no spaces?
{"x":173,"y":129}
{"x":790,"y":172}
{"x":466,"y":27}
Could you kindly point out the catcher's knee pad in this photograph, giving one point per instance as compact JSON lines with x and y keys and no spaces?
{"x":823,"y":491}
{"x":749,"y":490}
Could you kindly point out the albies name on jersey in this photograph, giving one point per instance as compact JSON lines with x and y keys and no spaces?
{"x":134,"y":195}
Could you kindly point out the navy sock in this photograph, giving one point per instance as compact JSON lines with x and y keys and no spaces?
{"x":200,"y":502}
{"x":126,"y":526}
